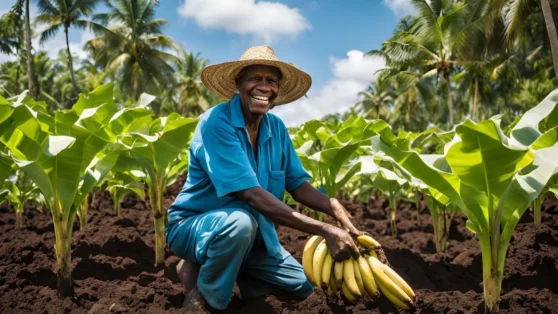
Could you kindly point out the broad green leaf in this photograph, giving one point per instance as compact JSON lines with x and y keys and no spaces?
{"x":485,"y":167}
{"x":100,"y":96}
{"x":526,"y":131}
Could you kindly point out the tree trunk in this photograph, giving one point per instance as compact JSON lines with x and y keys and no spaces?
{"x":18,"y":70}
{"x":450,"y":101}
{"x":551,"y":30}
{"x":475,"y":100}
{"x":70,"y":62}
{"x":30,"y":76}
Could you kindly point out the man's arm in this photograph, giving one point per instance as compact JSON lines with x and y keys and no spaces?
{"x":310,"y":197}
{"x":339,"y":242}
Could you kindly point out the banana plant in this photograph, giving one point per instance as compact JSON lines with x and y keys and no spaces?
{"x":493,"y":180}
{"x":63,"y":155}
{"x":124,"y":183}
{"x":18,"y":190}
{"x":388,"y":182}
{"x":329,"y":166}
{"x":442,"y":215}
{"x":551,"y":188}
{"x":153,"y":150}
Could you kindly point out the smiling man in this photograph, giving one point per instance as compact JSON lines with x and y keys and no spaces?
{"x":241,"y":162}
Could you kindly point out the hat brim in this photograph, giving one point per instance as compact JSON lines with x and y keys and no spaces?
{"x":220,"y":79}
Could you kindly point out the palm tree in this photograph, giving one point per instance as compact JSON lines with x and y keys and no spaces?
{"x":375,"y":100}
{"x":551,"y":30}
{"x":188,"y":95}
{"x":64,"y":13}
{"x":431,"y":42}
{"x":12,"y":37}
{"x":514,"y":15}
{"x":32,"y":84}
{"x":133,"y":48}
{"x":93,"y":76}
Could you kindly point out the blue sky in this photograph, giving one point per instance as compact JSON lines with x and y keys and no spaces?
{"x":327,"y":39}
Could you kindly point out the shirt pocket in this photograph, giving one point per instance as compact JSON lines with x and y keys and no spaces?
{"x":276,"y":185}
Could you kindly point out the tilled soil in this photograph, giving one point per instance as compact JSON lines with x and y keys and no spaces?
{"x":114,"y":272}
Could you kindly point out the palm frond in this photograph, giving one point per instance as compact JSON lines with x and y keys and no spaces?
{"x":516,"y":14}
{"x":50,"y":32}
{"x":154,"y":26}
{"x":47,"y":7}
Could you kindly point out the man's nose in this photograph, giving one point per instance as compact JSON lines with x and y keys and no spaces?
{"x":264,"y":86}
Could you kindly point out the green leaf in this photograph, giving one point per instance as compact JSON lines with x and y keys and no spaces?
{"x":526,"y":131}
{"x":485,"y":167}
{"x":100,"y":96}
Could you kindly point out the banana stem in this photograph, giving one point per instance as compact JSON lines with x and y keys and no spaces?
{"x":63,"y":237}
{"x":156,"y":201}
{"x":392,"y":213}
{"x":82,"y":213}
{"x":537,"y":202}
{"x":417,"y":202}
{"x":19,"y":216}
{"x":492,"y":276}
{"x":116,"y":204}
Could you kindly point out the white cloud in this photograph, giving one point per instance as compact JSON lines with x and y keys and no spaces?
{"x":263,"y":20}
{"x":400,"y":7}
{"x":356,"y":66}
{"x":351,"y":75}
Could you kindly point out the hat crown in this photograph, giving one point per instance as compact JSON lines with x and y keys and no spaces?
{"x":259,"y":52}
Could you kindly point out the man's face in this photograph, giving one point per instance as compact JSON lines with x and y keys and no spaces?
{"x":258,"y":86}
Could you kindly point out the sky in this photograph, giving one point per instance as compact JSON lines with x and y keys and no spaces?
{"x":327,"y":39}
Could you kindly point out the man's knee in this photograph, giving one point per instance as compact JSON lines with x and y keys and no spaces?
{"x":240,"y":225}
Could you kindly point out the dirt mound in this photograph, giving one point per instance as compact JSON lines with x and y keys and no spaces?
{"x":113,"y":265}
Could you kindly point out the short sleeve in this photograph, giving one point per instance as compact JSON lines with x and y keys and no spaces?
{"x":295,"y":174}
{"x":224,"y":160}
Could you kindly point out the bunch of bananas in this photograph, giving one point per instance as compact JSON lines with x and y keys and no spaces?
{"x":356,"y":278}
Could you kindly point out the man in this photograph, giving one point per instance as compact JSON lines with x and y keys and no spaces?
{"x":241,"y":162}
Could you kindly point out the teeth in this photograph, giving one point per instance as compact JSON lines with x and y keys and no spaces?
{"x":261,"y":98}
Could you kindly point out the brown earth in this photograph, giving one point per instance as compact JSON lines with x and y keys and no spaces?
{"x":114,"y":272}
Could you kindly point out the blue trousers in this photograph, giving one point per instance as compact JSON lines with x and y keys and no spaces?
{"x":225,"y":244}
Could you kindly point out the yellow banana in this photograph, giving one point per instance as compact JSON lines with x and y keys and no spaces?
{"x":398,"y":280}
{"x":338,"y":272}
{"x":327,"y":269}
{"x":367,"y":278}
{"x":358,"y":278}
{"x":318,"y":262}
{"x":347,"y":293}
{"x":367,"y":241}
{"x":349,"y":277}
{"x":308,"y":257}
{"x":374,"y":247}
{"x":332,"y":289}
{"x":387,"y":286}
{"x":396,"y":301}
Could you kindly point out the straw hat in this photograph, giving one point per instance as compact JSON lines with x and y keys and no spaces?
{"x":220,"y":78}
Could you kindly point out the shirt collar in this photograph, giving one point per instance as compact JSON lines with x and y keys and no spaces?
{"x":237,"y":119}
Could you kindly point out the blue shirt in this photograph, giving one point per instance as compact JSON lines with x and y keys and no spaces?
{"x":222,"y":162}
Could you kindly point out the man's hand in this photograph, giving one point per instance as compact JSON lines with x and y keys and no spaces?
{"x":343,"y":218}
{"x":340,"y":244}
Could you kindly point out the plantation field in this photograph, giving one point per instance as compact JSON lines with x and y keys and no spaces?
{"x":113,"y":264}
